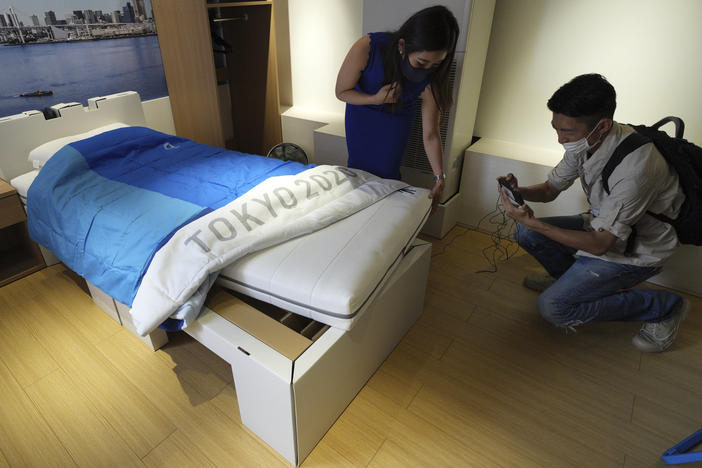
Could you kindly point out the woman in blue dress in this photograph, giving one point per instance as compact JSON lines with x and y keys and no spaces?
{"x":380,"y":80}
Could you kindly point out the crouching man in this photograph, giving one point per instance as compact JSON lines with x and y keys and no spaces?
{"x":593,"y":259}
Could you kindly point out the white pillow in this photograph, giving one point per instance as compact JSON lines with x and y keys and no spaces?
{"x":39,"y":155}
{"x":22,"y":182}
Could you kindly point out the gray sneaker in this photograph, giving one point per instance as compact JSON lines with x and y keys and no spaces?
{"x":538,"y":281}
{"x":657,"y":337}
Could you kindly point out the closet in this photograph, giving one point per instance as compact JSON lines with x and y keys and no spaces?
{"x":219,"y":59}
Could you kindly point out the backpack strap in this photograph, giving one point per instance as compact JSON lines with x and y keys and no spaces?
{"x":629,"y":144}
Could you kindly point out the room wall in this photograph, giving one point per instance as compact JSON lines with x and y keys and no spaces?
{"x":648,"y":49}
{"x":321,"y":33}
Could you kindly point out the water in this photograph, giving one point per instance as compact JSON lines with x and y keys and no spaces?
{"x":76,"y":71}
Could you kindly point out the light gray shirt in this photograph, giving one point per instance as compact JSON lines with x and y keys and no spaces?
{"x":642,"y":182}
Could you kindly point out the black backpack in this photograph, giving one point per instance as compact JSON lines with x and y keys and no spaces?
{"x":682,"y":156}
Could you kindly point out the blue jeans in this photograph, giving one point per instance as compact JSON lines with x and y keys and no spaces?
{"x":591,"y":289}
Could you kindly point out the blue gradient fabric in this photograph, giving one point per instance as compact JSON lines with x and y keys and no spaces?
{"x":106,"y":204}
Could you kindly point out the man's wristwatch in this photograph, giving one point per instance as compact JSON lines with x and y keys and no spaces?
{"x":438,"y":177}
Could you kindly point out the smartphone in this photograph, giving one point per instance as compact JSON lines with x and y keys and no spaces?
{"x":514,"y":196}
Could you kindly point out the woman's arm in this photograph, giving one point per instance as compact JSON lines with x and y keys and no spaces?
{"x":350,"y":72}
{"x":432,"y":142}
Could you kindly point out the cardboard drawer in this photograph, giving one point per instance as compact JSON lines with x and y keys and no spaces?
{"x":287,"y":333}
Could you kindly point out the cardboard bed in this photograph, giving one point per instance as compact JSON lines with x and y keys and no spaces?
{"x":304,"y":324}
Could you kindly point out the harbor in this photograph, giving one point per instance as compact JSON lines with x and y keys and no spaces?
{"x":75,"y":71}
{"x":80,"y":25}
{"x":72,"y":54}
{"x":28,"y":35}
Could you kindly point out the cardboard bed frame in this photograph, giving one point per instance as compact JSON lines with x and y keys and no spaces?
{"x":293,"y":376}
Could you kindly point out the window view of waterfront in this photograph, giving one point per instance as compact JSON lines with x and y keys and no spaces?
{"x":77,"y":54}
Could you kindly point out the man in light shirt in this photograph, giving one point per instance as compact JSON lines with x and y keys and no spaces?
{"x":594,"y":259}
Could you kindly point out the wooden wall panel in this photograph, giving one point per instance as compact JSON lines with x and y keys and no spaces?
{"x":186,"y":49}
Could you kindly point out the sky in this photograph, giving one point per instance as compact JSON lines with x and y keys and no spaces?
{"x":25,"y":8}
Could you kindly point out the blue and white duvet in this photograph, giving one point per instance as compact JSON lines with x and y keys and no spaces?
{"x":148,"y":217}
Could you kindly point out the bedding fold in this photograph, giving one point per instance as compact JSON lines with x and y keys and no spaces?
{"x":279,"y":209}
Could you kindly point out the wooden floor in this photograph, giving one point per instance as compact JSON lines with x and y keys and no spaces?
{"x":481,"y":380}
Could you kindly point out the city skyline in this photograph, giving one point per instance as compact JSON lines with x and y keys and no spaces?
{"x":26,"y":8}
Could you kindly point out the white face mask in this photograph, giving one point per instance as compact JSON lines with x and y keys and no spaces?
{"x":580,"y":146}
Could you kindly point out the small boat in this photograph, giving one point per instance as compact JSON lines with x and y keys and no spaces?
{"x":37,"y":93}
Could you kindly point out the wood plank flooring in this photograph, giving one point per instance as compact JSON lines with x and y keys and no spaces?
{"x":480,"y":380}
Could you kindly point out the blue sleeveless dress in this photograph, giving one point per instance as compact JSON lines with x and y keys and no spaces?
{"x":376,"y":137}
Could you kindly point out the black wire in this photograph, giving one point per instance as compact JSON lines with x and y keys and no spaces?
{"x":503,"y":245}
{"x":446,"y":245}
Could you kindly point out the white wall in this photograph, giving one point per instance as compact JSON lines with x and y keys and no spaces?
{"x":321,"y":33}
{"x":389,"y":15}
{"x":648,"y":49}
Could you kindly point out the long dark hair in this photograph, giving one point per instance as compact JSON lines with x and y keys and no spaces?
{"x":433,"y":28}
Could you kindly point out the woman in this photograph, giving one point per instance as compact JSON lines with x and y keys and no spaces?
{"x":380,"y":80}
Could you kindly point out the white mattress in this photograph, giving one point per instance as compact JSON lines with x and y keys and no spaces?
{"x":332,"y":275}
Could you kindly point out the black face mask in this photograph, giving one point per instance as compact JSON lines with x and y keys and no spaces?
{"x":412,"y":74}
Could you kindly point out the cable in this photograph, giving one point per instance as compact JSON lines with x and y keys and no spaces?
{"x":446,"y":245}
{"x":502,"y":238}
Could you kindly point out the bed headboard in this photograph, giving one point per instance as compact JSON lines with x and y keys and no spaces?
{"x":21,"y":133}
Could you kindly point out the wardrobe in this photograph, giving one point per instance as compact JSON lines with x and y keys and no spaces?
{"x":219,"y":59}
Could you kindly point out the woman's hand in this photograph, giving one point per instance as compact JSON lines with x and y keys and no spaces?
{"x":435,"y":194}
{"x":388,"y":94}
